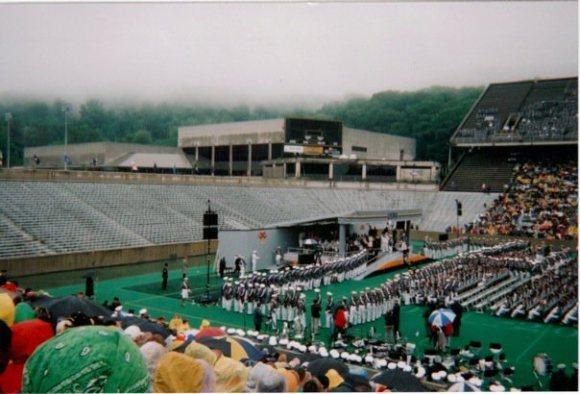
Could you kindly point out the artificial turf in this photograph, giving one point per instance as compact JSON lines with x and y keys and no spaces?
{"x":140,"y":287}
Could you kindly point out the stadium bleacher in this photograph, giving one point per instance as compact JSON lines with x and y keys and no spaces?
{"x":58,"y":217}
{"x":527,"y":111}
{"x":492,"y":168}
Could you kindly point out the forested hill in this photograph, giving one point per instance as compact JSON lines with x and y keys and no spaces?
{"x":430,"y":115}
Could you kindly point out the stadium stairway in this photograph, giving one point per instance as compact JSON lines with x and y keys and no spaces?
{"x":479,"y":167}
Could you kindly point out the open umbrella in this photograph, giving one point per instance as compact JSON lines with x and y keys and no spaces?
{"x":212,"y":332}
{"x":253,"y":352}
{"x":144,"y":325}
{"x":66,"y":306}
{"x":39,"y":300}
{"x":441,"y":317}
{"x":398,"y":380}
{"x":463,"y":387}
{"x":228,"y":346}
{"x":322,"y":365}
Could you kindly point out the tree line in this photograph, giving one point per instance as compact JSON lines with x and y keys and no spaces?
{"x":430,"y":115}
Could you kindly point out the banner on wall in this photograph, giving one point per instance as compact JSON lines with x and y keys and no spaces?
{"x":263,"y":237}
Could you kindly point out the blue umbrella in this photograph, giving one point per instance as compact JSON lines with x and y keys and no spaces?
{"x":441,"y":317}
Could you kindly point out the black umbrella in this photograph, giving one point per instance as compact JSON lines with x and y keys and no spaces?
{"x":398,"y":380}
{"x":39,"y":300}
{"x":145,"y":325}
{"x":322,"y":365}
{"x":66,"y":306}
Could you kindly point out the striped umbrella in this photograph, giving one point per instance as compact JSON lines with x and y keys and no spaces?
{"x":463,"y":387}
{"x":231,"y":348}
{"x":441,"y":317}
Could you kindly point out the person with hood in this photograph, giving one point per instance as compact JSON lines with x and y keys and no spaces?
{"x":26,"y":337}
{"x":231,"y":375}
{"x":87,"y":359}
{"x":178,"y":373}
{"x":152,"y":352}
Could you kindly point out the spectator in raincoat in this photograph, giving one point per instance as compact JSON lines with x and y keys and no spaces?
{"x":87,"y":359}
{"x":26,"y":337}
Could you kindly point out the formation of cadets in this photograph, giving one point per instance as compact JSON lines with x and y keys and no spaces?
{"x":279,"y":294}
{"x":437,"y":250}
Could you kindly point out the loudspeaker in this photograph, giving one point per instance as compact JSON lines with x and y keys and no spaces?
{"x":443,"y":237}
{"x":306,"y":259}
{"x":210,"y":219}
{"x":210,"y":233}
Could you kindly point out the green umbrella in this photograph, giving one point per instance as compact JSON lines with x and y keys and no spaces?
{"x":23,"y":312}
{"x":87,"y":359}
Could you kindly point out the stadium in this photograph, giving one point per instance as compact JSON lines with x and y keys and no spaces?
{"x":309,"y":246}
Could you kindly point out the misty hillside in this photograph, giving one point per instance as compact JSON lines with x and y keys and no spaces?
{"x":430,"y":115}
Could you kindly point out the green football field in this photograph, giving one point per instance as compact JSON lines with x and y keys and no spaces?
{"x":140,"y":287}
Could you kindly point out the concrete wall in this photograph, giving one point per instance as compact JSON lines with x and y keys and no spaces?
{"x":106,"y":258}
{"x":379,"y":146}
{"x":416,"y":174}
{"x":265,"y":242}
{"x":235,"y":133}
{"x":82,"y":154}
{"x":156,"y":179}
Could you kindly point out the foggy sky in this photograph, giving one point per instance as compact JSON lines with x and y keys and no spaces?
{"x":277,"y":53}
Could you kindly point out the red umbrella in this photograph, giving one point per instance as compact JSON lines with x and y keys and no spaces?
{"x":212,"y":332}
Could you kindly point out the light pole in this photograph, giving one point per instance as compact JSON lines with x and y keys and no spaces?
{"x":8,"y":119}
{"x":66,"y":110}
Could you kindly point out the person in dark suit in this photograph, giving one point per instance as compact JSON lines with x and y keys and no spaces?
{"x":222,"y":267}
{"x":258,"y":317}
{"x":396,"y":319}
{"x":390,"y":326}
{"x":164,"y":277}
{"x":90,"y":286}
{"x":559,"y":379}
{"x":458,"y":310}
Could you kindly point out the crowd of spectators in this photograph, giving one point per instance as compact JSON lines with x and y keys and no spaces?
{"x":111,"y":352}
{"x":540,"y":202}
